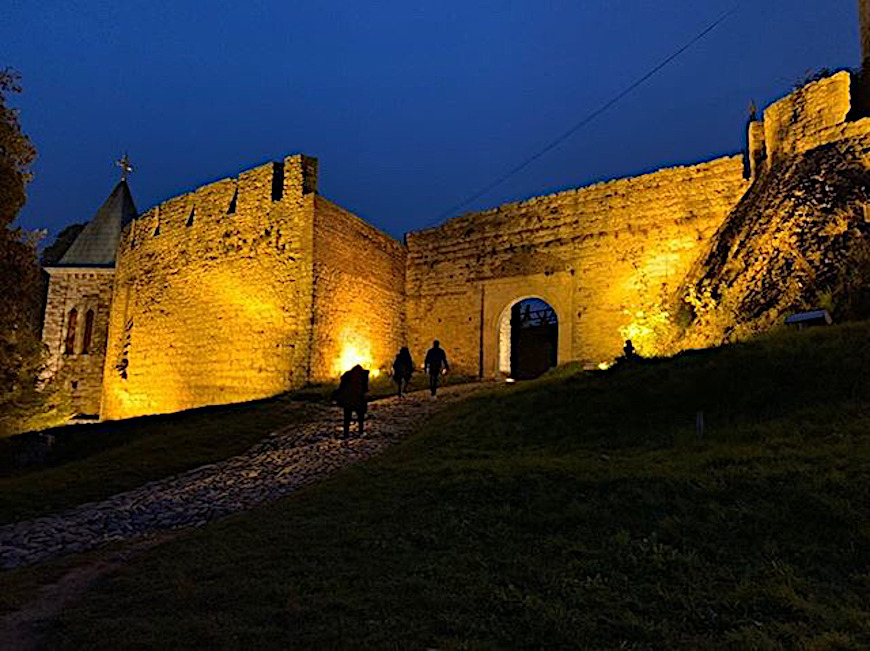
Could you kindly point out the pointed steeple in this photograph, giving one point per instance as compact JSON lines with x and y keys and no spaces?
{"x":95,"y":246}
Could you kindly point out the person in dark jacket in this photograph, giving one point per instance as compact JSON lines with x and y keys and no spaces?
{"x":403,"y":367}
{"x":435,"y":365}
{"x":351,"y":396}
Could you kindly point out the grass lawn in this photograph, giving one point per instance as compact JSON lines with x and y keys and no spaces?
{"x":576,"y":510}
{"x":102,"y":459}
{"x":94,"y":461}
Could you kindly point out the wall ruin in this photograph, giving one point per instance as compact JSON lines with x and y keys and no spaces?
{"x":809,"y":117}
{"x":252,"y":286}
{"x":212,"y":295}
{"x":598,"y":255}
{"x":359,"y":294}
{"x":799,"y":236}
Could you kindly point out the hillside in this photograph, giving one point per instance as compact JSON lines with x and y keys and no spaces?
{"x":799,"y":239}
{"x":575,"y":510}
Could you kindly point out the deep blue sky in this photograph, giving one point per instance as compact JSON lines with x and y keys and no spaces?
{"x":410,"y":106}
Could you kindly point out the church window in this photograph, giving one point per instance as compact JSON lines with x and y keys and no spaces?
{"x":71,"y":331}
{"x":89,"y":331}
{"x":190,"y":217}
{"x":232,"y":209}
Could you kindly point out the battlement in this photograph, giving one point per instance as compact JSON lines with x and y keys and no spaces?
{"x":814,"y":115}
{"x":247,"y":287}
{"x":252,"y":193}
{"x":212,"y":295}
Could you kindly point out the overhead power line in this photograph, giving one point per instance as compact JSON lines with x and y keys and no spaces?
{"x":586,"y":120}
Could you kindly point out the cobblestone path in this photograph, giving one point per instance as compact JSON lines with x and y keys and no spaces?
{"x":286,"y":460}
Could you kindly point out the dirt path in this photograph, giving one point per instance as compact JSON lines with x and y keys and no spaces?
{"x":147,"y":516}
{"x":24,"y":630}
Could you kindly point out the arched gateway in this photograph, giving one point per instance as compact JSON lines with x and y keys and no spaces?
{"x":528,"y":338}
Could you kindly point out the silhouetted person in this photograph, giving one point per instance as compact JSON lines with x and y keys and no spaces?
{"x":403,"y":367}
{"x":351,"y":395}
{"x":435,"y":365}
{"x":628,"y":351}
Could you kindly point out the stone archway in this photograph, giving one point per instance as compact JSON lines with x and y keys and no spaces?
{"x":499,"y":295}
{"x":528,"y":338}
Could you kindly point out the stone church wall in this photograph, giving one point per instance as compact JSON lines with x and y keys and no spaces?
{"x":359,"y":294}
{"x":600,"y":256}
{"x":212,"y":295}
{"x":79,"y":372}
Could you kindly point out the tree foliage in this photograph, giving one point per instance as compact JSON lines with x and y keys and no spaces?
{"x":22,"y":356}
{"x":17,"y":153}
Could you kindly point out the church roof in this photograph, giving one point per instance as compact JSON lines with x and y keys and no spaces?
{"x":95,"y":246}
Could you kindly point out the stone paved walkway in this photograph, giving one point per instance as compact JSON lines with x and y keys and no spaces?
{"x":286,"y":460}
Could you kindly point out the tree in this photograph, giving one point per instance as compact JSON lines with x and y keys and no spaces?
{"x":23,"y":404}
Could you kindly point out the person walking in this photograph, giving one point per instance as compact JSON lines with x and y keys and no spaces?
{"x":403,"y":367}
{"x":351,"y":396}
{"x":435,"y":364}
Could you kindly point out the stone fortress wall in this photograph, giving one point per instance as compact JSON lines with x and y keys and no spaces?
{"x":605,"y":257}
{"x":359,"y":294}
{"x":800,"y":232}
{"x":810,"y":117}
{"x":245,"y":288}
{"x":251,"y":286}
{"x":213,"y":292}
{"x":597,"y":255}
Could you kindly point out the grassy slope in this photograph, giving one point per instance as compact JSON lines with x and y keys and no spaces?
{"x":107,"y":458}
{"x":576,"y":510}
{"x":97,"y":460}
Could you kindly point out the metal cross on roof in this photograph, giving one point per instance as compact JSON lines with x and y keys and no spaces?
{"x":126,"y":167}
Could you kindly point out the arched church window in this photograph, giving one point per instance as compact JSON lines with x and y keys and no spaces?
{"x":89,"y":331}
{"x":71,"y":332}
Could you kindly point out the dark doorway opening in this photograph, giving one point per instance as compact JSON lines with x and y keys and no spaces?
{"x":534,"y":336}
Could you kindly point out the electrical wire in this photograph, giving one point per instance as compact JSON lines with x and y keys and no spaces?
{"x":589,"y":118}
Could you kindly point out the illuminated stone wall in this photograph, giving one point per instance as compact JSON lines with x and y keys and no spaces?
{"x":213,"y":295}
{"x":251,"y":286}
{"x":359,"y":292}
{"x":799,"y":239}
{"x":810,"y":117}
{"x":598,"y":255}
{"x":78,"y":373}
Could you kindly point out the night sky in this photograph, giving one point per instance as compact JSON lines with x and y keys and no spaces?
{"x":410,"y":106}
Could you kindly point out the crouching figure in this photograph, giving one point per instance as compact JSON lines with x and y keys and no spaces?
{"x":351,"y":396}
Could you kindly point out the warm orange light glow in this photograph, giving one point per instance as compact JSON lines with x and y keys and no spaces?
{"x":354,"y":351}
{"x":603,"y":366}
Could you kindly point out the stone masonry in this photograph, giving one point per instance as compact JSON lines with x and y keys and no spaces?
{"x":245,"y":288}
{"x":78,"y":367}
{"x":283,"y":462}
{"x":255,"y":285}
{"x":596,"y":255}
{"x":77,"y":306}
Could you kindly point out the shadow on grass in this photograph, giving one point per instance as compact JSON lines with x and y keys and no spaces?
{"x":569,"y":511}
{"x":93,"y":461}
